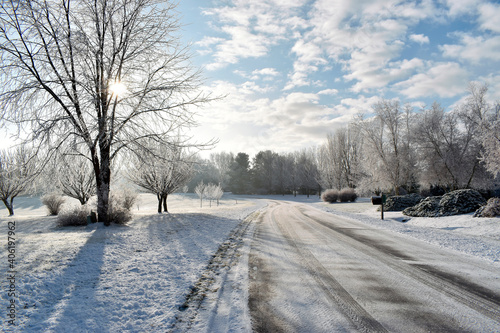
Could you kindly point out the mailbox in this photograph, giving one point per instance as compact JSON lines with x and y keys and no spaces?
{"x":377,"y":200}
{"x":380,"y":200}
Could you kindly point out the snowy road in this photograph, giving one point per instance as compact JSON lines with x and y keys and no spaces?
{"x":312,"y":271}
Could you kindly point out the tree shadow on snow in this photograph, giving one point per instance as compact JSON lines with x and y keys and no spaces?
{"x":69,"y":300}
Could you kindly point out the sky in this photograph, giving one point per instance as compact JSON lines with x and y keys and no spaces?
{"x":292,"y":71}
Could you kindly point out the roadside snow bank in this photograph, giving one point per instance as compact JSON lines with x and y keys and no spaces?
{"x":479,"y":237}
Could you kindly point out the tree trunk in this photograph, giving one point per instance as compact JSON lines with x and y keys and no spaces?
{"x":159,"y":203}
{"x":103,"y":179}
{"x":103,"y":203}
{"x":9,"y":206}
{"x":165,"y":208}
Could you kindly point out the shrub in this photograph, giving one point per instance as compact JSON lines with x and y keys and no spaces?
{"x":119,"y":215}
{"x":126,"y":199}
{"x":401,"y":202}
{"x":491,"y":209}
{"x":429,"y":207}
{"x":330,"y":196}
{"x":460,"y":202}
{"x":120,"y":205}
{"x":73,"y":218}
{"x":347,"y":195}
{"x":53,"y":202}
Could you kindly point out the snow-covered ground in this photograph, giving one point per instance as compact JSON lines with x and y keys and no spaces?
{"x":136,"y":278}
{"x":132,"y":278}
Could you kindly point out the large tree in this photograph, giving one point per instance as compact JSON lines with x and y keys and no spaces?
{"x":240,"y":174}
{"x":103,"y":73}
{"x":486,"y":116}
{"x":263,"y":171}
{"x":387,"y":143}
{"x":450,"y":148}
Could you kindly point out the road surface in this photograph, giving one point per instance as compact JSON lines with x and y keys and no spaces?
{"x":312,"y":271}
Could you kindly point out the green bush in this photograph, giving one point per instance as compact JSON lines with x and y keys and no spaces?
{"x":330,"y":196}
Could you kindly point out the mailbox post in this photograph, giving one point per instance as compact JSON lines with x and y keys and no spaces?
{"x":379,"y":200}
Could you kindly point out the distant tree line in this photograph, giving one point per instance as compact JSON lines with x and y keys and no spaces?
{"x":267,"y":172}
{"x":401,"y":149}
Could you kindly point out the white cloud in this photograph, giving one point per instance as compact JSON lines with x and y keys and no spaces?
{"x":309,"y":57}
{"x":460,"y":7}
{"x":246,"y":123}
{"x":366,"y":36}
{"x":266,"y":72}
{"x":419,"y":38}
{"x":243,"y":44}
{"x":443,"y":79}
{"x":251,"y":28}
{"x":371,"y":73}
{"x":489,"y":17}
{"x":328,"y":92}
{"x":474,"y":49}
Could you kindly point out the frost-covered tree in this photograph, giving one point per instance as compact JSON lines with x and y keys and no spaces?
{"x":200,"y":190}
{"x":18,"y":169}
{"x":450,"y":149}
{"x":203,"y":171}
{"x":222,"y":162}
{"x":338,"y":159}
{"x":307,"y":171}
{"x":161,"y":170}
{"x":75,"y":177}
{"x":213,"y":192}
{"x":329,"y":163}
{"x":102,"y":73}
{"x":388,"y":161}
{"x":486,"y":116}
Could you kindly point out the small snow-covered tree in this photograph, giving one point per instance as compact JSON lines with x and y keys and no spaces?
{"x":222,"y":162}
{"x":200,"y":190}
{"x":18,"y":169}
{"x":213,"y":192}
{"x":161,"y":170}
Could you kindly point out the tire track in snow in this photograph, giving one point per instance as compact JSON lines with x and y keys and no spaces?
{"x":359,"y":317}
{"x":211,"y":285}
{"x":472,"y":295}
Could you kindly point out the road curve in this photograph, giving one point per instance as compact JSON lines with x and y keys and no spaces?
{"x":312,"y":271}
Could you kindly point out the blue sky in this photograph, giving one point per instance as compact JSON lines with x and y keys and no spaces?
{"x":293,"y":70}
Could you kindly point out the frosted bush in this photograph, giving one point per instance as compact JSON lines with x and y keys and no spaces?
{"x":53,"y":202}
{"x":491,"y":209}
{"x":120,"y":205}
{"x":74,"y":217}
{"x":330,"y":196}
{"x":347,"y":195}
